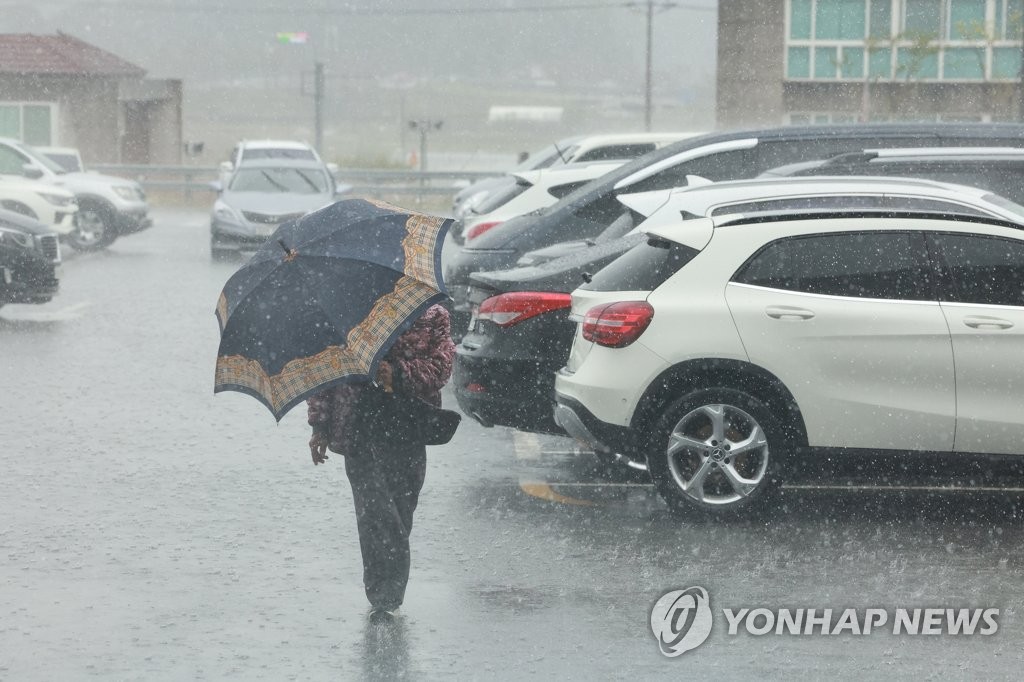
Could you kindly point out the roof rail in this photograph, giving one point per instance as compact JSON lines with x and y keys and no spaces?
{"x":825,"y":214}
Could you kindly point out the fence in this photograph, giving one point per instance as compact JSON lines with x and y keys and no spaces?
{"x":193,"y":181}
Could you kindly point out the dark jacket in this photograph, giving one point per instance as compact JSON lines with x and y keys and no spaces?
{"x":421,"y":361}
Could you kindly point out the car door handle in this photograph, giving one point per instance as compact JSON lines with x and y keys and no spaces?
{"x":785,"y":312}
{"x":986,"y":322}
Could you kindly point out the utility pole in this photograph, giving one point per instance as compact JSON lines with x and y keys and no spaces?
{"x":318,"y":105}
{"x":424,"y":126}
{"x":649,"y":6}
{"x":648,"y":70}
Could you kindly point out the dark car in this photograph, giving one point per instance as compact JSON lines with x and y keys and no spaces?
{"x":29,"y":258}
{"x":521,"y":334}
{"x":591,"y":209}
{"x":999,"y":170}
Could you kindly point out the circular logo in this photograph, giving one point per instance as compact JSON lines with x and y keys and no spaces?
{"x":681,"y":620}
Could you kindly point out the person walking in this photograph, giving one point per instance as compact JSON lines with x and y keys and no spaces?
{"x":385,"y":464}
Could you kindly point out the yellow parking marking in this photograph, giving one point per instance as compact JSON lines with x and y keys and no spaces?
{"x":543,"y":491}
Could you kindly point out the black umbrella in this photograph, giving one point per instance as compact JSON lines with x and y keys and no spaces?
{"x":325,"y":298}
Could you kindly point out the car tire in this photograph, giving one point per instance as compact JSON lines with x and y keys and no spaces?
{"x":95,"y":227}
{"x":691,"y":454}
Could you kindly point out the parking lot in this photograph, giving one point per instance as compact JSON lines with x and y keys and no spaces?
{"x":154,"y":531}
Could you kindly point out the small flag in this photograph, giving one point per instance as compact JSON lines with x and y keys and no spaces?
{"x":292,"y":38}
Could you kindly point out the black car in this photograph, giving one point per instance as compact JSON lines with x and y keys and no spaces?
{"x":29,"y":257}
{"x":999,"y":170}
{"x":591,"y":209}
{"x":521,"y":334}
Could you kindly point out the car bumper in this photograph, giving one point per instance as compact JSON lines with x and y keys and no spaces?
{"x":130,"y":222}
{"x":583,"y":426}
{"x":64,"y":222}
{"x":230,"y":236}
{"x":28,"y":279}
{"x":498,"y":392}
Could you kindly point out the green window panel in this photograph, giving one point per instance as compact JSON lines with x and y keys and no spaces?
{"x":1006,"y":62}
{"x":1009,"y":17}
{"x":880,"y":63}
{"x":844,"y":118}
{"x":914,"y":65}
{"x":964,"y":63}
{"x":852,"y":65}
{"x":37,"y":124}
{"x":839,"y":20}
{"x":967,"y":20}
{"x":799,"y":62}
{"x":825,"y":62}
{"x":923,"y":17}
{"x":10,"y":121}
{"x":881,"y":19}
{"x":799,"y":119}
{"x":800,"y":19}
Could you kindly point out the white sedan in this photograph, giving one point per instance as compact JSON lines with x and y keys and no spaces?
{"x":51,"y":205}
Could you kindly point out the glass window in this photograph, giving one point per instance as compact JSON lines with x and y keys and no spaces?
{"x":825,"y":61}
{"x":798,"y":64}
{"x":643,"y":268}
{"x":800,"y":19}
{"x":1009,"y":15}
{"x":10,"y":121}
{"x":966,"y":20}
{"x":881,"y":19}
{"x":839,"y":20}
{"x":882,"y":265}
{"x":984,"y":270}
{"x":38,"y":124}
{"x":280,"y":180}
{"x":964,"y":63}
{"x":1006,"y":62}
{"x":880,"y":63}
{"x":616,"y":151}
{"x":11,"y":162}
{"x":922,"y":17}
{"x":852,"y":65}
{"x":501,"y":197}
{"x":913,"y":64}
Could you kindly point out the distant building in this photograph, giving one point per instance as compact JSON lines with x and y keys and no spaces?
{"x":819,"y":61}
{"x":59,"y":90}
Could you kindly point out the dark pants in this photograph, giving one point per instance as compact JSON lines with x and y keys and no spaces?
{"x":386,"y":480}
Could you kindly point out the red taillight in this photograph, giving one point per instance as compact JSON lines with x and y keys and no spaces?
{"x":617,"y":325}
{"x":514,"y":307}
{"x":480,"y":228}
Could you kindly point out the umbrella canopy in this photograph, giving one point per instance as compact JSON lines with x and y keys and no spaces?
{"x":325,"y":298}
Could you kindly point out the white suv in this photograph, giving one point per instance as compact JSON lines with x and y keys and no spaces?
{"x":723,"y":344}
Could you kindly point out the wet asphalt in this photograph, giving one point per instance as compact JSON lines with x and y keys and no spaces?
{"x":152,"y":531}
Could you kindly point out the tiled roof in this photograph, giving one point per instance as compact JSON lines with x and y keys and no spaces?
{"x":59,"y":54}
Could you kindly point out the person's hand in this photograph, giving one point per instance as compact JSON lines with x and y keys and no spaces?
{"x":385,"y":376}
{"x":318,"y":448}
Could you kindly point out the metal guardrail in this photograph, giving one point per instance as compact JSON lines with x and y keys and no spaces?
{"x":192,"y":180}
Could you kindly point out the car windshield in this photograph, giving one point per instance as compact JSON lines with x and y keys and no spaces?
{"x":69,"y":162}
{"x":42,"y":159}
{"x":280,"y":180}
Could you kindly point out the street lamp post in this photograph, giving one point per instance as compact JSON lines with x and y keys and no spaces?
{"x":649,"y":7}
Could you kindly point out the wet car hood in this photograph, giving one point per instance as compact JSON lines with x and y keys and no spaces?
{"x":24,"y":223}
{"x":83,"y":182}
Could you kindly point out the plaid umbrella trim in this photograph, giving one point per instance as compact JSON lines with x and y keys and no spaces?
{"x":418,"y":246}
{"x":302,"y":376}
{"x":222,"y":311}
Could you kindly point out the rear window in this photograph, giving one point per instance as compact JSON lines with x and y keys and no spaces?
{"x":615,"y":151}
{"x":502,"y":197}
{"x":249,"y":154}
{"x":645,"y":267}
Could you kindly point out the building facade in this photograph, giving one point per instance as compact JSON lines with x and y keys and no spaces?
{"x":820,"y":61}
{"x":56,"y":90}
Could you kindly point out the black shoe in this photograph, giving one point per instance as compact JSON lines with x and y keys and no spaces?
{"x":382,"y":616}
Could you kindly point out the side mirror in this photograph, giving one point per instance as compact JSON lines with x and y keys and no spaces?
{"x":226,"y":166}
{"x":216,"y":186}
{"x":332,"y":168}
{"x":31,"y":172}
{"x":342,"y":189}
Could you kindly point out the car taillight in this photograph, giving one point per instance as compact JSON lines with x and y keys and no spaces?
{"x":480,"y":228}
{"x":514,"y":307}
{"x":616,"y":325}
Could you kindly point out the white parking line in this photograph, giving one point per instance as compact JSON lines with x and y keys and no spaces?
{"x":71,"y":312}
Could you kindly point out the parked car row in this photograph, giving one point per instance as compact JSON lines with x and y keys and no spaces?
{"x":709,"y":330}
